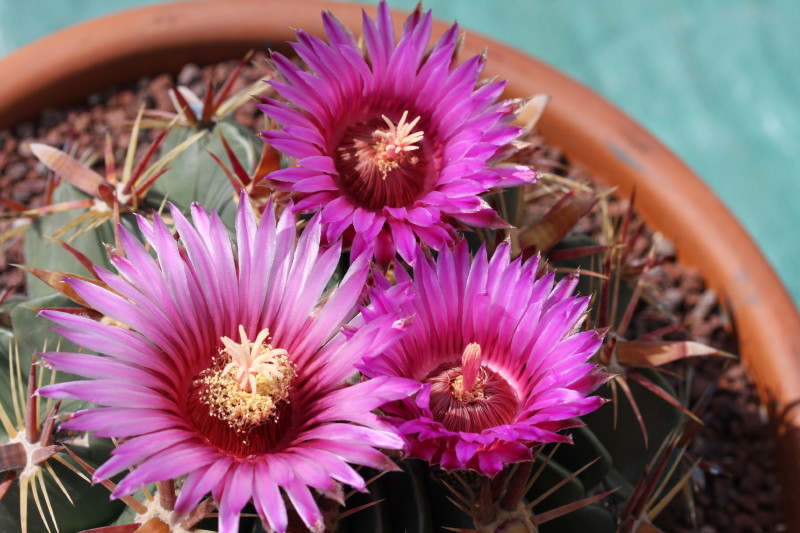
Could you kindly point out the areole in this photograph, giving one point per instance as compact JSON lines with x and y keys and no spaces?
{"x":69,"y":65}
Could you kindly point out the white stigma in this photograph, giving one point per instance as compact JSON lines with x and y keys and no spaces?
{"x":251,"y":359}
{"x":399,"y":138}
{"x":389,"y":149}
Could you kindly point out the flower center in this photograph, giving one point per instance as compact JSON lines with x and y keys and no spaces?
{"x":471,"y":397}
{"x":467,"y":387}
{"x":236,"y":402}
{"x":381,"y":163}
{"x":392,"y":147}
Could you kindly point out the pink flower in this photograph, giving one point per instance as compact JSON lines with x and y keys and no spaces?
{"x":230,"y":371}
{"x":499,"y":353}
{"x":396,"y":140}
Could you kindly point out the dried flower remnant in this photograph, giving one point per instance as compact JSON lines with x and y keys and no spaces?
{"x":501,"y":357}
{"x":153,"y":514}
{"x":25,"y":456}
{"x":241,"y":419}
{"x":396,"y":140}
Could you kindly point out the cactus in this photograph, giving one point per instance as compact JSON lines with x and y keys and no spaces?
{"x":424,"y":242}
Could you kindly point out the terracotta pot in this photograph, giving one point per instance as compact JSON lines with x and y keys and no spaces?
{"x":68,"y":65}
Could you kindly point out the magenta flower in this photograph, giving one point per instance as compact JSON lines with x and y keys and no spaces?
{"x":232,"y":373}
{"x":499,"y":352}
{"x":396,"y":140}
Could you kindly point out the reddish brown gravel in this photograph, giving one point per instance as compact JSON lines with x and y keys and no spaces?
{"x":735,"y":487}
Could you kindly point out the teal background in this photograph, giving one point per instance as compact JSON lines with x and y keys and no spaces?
{"x":718,"y":81}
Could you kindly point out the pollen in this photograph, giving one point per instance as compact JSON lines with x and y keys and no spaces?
{"x":248,"y":381}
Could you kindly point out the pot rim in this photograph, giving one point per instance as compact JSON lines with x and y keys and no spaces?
{"x":70,"y":64}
